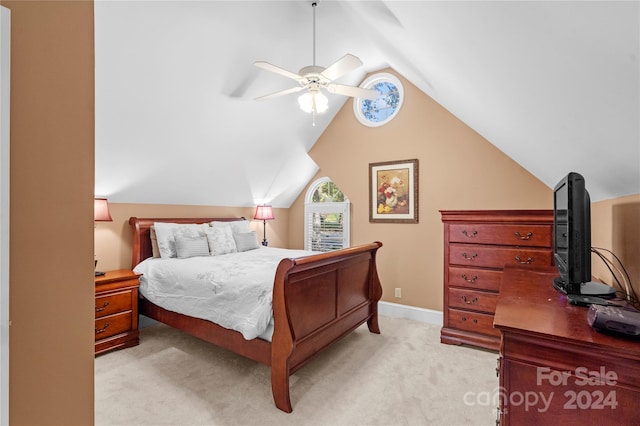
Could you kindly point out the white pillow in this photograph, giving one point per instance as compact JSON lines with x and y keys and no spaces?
{"x":237,"y":226}
{"x":246,"y":241}
{"x":166,"y":233}
{"x":191,"y":247}
{"x":221,"y":240}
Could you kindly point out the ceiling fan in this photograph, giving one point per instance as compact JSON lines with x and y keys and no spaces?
{"x":313,"y":78}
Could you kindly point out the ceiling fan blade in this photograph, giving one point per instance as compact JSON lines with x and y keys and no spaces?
{"x":280,"y":93}
{"x":270,"y":67}
{"x":356,"y":92}
{"x":341,"y":67}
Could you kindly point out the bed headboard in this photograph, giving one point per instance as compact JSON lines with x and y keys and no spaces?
{"x":142,"y":233}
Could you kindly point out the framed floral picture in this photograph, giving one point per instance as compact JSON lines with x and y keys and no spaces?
{"x":393,"y":191}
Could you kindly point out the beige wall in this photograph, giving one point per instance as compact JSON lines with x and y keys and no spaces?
{"x":458,"y":170}
{"x":615,"y":225}
{"x":113,"y":239}
{"x":51,"y":233}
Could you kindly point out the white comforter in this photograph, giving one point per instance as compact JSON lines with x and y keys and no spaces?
{"x":233,"y":290}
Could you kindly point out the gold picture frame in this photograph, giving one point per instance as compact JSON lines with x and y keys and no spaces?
{"x":393,"y":192}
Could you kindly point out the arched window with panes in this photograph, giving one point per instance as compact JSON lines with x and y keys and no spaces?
{"x":326,"y":217}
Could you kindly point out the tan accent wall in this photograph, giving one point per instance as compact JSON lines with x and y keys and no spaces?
{"x":113,"y":240}
{"x":458,"y":169}
{"x":51,"y":232}
{"x":615,"y":226}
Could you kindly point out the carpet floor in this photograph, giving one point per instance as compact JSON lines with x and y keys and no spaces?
{"x":403,"y":376}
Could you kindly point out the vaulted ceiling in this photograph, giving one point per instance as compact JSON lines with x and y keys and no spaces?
{"x":554,"y":85}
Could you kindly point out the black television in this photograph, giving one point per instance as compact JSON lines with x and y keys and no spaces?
{"x":572,"y":239}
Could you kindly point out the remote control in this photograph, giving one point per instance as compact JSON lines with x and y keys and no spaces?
{"x":610,"y":318}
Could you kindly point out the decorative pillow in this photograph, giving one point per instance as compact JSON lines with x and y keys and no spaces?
{"x":166,"y":233}
{"x":155,"y":251}
{"x":191,"y":247}
{"x":237,"y":226}
{"x":246,"y":241}
{"x":221,"y":240}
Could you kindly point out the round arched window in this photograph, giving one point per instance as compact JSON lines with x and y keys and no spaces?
{"x":379,"y":111}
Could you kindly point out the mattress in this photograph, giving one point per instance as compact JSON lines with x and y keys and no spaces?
{"x":233,"y":290}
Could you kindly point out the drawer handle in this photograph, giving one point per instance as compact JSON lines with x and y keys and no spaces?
{"x":475,"y":321}
{"x":472,"y":280}
{"x":469,"y":301}
{"x":471,"y":235}
{"x":472,"y":257}
{"x":104,"y":306}
{"x":524,"y":262}
{"x":524,"y":237}
{"x":102,"y":330}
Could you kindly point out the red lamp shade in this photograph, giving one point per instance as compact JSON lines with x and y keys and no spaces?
{"x":264,"y":213}
{"x":101,"y":210}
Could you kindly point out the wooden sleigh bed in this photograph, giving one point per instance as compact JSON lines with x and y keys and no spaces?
{"x":316,"y":300}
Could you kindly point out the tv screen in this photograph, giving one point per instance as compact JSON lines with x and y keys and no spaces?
{"x":572,"y":238}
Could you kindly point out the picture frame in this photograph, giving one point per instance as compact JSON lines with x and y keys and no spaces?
{"x":393,"y":192}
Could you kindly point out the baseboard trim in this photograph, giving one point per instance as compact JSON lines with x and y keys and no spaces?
{"x":428,"y":316}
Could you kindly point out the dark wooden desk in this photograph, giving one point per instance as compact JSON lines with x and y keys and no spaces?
{"x":555,"y":368}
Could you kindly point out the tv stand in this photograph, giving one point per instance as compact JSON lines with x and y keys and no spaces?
{"x":590,"y":288}
{"x":554,"y":367}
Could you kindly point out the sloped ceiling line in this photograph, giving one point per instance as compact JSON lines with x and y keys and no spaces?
{"x":554,"y":85}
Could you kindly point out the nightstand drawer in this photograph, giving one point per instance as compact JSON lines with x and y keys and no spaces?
{"x":112,"y":325}
{"x":474,"y":300}
{"x":113,"y":303}
{"x":506,"y":235}
{"x":483,"y":279}
{"x":472,"y":321}
{"x":497,"y":257}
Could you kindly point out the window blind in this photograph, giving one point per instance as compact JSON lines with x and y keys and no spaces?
{"x":327,"y":226}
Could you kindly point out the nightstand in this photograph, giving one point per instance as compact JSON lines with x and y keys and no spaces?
{"x":116,"y":323}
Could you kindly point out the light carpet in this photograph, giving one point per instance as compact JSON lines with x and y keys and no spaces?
{"x":403,"y":376}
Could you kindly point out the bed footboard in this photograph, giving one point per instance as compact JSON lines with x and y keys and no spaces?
{"x":316,"y":301}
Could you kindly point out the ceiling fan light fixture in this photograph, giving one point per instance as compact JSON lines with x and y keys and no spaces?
{"x":313,"y":102}
{"x":313,"y":78}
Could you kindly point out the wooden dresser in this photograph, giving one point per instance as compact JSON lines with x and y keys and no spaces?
{"x":554,"y":368}
{"x":477,"y":246}
{"x":116,"y":324}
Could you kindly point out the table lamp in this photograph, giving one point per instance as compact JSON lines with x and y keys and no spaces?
{"x":264,"y":213}
{"x":100,"y":214}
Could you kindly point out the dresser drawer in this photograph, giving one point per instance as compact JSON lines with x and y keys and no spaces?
{"x":112,"y":325}
{"x":472,"y":321}
{"x":472,"y":299}
{"x":113,"y":302}
{"x":497,"y":257}
{"x":483,"y":279}
{"x":509,"y":235}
